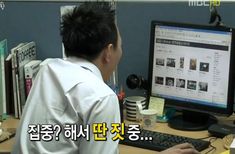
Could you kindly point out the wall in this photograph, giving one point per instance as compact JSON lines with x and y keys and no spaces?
{"x":39,"y":21}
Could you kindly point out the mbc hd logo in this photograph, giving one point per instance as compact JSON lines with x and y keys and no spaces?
{"x":204,"y":3}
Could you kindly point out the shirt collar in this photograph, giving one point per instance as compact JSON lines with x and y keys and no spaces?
{"x":86,"y":65}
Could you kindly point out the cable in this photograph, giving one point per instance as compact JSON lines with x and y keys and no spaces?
{"x":213,"y":148}
{"x":209,"y":137}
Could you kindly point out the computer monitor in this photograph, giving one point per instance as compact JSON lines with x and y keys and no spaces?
{"x":192,"y":68}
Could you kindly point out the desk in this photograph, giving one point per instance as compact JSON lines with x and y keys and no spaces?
{"x":162,"y":127}
{"x":124,"y":149}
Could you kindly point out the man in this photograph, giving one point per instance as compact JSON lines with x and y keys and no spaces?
{"x":72,"y":93}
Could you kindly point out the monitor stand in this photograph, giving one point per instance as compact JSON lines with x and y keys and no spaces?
{"x":192,"y":121}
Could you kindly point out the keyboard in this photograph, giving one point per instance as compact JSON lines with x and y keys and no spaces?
{"x":160,"y":141}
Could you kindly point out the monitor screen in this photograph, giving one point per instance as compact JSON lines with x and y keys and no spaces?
{"x":191,"y":67}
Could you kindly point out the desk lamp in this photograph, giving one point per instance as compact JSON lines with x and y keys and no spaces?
{"x":215,"y":16}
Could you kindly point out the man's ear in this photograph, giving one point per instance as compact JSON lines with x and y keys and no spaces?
{"x":108,"y":51}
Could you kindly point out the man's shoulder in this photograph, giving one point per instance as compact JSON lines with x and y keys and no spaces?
{"x":63,"y":73}
{"x":71,"y":75}
{"x":97,"y":87}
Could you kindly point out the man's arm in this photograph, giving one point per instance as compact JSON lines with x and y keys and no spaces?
{"x":106,"y":111}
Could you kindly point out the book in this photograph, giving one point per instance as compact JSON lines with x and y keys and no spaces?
{"x":9,"y":85}
{"x":30,"y":71}
{"x":3,"y":50}
{"x":24,"y":54}
{"x":14,"y":81}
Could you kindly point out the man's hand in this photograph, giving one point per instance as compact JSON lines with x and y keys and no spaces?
{"x":184,"y":148}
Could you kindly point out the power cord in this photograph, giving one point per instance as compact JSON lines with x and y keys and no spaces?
{"x":212,"y":148}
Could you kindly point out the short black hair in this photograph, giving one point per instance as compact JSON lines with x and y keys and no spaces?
{"x":88,"y":29}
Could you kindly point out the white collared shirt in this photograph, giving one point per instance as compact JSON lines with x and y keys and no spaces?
{"x":69,"y":92}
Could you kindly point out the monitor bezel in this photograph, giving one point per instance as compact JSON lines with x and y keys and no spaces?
{"x":192,"y":106}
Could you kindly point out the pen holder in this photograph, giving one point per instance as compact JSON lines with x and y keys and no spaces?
{"x":131,"y":106}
